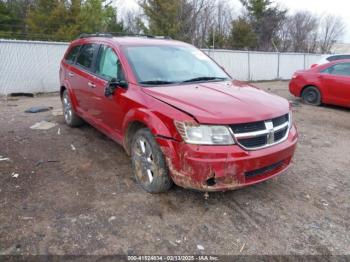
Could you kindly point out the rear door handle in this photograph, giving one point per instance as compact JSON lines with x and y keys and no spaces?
{"x":70,"y":74}
{"x":92,"y":85}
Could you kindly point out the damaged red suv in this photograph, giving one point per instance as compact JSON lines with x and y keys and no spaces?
{"x":179,"y":115}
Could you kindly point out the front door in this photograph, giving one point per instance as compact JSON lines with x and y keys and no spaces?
{"x":110,"y":109}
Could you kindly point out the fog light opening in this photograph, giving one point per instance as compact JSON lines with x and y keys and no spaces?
{"x":211,"y":181}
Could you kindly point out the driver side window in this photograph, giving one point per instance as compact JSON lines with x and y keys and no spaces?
{"x":108,"y":64}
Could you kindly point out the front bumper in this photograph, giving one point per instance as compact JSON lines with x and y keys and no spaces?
{"x":221,"y":168}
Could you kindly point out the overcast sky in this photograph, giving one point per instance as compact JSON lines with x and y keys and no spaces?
{"x":319,"y":7}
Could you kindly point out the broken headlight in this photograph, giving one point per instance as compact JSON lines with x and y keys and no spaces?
{"x":196,"y":134}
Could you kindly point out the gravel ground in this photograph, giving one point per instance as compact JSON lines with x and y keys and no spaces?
{"x":57,"y":200}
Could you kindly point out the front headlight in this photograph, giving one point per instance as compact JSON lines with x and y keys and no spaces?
{"x":204,"y":134}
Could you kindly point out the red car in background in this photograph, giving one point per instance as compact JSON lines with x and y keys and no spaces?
{"x":328,"y":83}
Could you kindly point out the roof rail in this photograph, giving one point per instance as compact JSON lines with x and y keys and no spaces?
{"x":113,"y":34}
{"x":85,"y":35}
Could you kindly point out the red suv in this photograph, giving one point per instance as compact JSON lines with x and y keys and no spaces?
{"x":179,"y":115}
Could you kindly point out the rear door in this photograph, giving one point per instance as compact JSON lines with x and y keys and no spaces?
{"x":82,"y":78}
{"x":110,"y":109}
{"x":336,"y":79}
{"x":69,"y":62}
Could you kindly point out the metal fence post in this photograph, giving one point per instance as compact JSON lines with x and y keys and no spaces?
{"x":249,"y":66}
{"x":278,"y":65}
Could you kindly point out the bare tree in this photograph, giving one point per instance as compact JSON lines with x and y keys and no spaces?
{"x":218,"y":19}
{"x":285,"y":42}
{"x":303,"y":27}
{"x":132,"y":22}
{"x":200,"y":15}
{"x":204,"y":24}
{"x":332,"y":29}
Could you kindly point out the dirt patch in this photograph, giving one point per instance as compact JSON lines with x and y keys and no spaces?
{"x":86,"y":201}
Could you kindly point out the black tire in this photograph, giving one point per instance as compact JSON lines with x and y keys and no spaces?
{"x":148,"y":163}
{"x":71,"y":118}
{"x":311,"y":96}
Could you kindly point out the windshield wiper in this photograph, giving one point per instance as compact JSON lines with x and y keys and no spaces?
{"x":156,"y":82}
{"x":204,"y":78}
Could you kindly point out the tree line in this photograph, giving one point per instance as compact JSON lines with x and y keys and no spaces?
{"x":55,"y":20}
{"x":260,"y":25}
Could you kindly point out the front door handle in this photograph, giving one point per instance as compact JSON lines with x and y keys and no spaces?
{"x":92,"y":85}
{"x":70,"y":74}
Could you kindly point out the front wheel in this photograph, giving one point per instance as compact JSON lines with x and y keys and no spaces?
{"x":311,"y":96}
{"x":148,"y":163}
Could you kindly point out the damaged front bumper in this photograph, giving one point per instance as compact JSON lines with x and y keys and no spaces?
{"x":221,"y":168}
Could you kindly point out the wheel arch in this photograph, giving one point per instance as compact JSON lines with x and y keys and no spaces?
{"x":142,"y":118}
{"x":131,"y":129}
{"x":73,"y":98}
{"x":62,"y":88}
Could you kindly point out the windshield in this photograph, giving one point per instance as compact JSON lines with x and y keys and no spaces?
{"x":157,"y":65}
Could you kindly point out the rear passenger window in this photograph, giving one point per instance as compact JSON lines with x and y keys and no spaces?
{"x":86,"y":55}
{"x":72,"y":54}
{"x":338,"y":69}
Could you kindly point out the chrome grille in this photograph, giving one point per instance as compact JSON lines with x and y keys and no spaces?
{"x":280,"y":120}
{"x":256,"y":142}
{"x":257,"y":135}
{"x":247,"y":127}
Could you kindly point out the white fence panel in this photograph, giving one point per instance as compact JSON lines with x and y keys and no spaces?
{"x":311,"y":59}
{"x":289,"y":63}
{"x":235,"y":63}
{"x":263,"y":66}
{"x":30,"y":67}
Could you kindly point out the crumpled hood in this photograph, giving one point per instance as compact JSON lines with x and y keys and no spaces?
{"x":221,"y":102}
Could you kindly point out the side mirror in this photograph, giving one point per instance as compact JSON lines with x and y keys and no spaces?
{"x":113,"y":84}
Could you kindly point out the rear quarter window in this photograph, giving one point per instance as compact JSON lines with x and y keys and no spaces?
{"x":86,"y":55}
{"x":72,"y":54}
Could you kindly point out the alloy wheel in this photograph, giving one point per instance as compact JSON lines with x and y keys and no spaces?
{"x":67,"y":108}
{"x":144,"y":161}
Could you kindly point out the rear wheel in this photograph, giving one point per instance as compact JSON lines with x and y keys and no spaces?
{"x":311,"y":96}
{"x":148,"y":163}
{"x":70,"y":117}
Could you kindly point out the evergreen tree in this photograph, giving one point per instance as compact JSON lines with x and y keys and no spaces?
{"x":216,"y":39}
{"x":242,"y":35}
{"x":162,"y":17}
{"x":265,"y":19}
{"x":46,"y":18}
{"x":11,"y":24}
{"x":65,"y":20}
